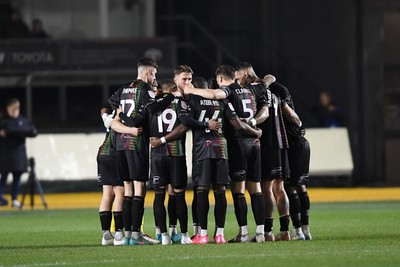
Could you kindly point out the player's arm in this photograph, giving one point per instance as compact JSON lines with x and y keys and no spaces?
{"x":239,"y":125}
{"x":290,"y":114}
{"x":260,"y":117}
{"x":206,"y":93}
{"x":195,"y":124}
{"x":175,"y":134}
{"x":119,"y":127}
{"x":186,"y":118}
{"x":154,"y":107}
{"x":106,"y":113}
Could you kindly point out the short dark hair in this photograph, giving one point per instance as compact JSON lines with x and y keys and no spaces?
{"x":226,"y":71}
{"x":199,"y":82}
{"x":169,"y":83}
{"x":12,"y":101}
{"x":147,"y":62}
{"x":243,"y":65}
{"x":182,"y":68}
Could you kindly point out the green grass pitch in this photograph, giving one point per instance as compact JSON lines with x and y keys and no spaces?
{"x":345,"y":234}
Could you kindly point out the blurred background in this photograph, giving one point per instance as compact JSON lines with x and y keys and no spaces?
{"x":63,"y":59}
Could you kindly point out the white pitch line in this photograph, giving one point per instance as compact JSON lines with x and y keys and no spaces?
{"x":200,"y":257}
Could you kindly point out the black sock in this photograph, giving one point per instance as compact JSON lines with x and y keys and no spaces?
{"x":268,"y":224}
{"x":118,"y":222}
{"x":127,"y":213}
{"x":137,"y":213}
{"x":305,"y":207}
{"x":294,"y":204}
{"x":258,"y":207}
{"x":195,"y":217}
{"x":220,"y":208}
{"x":105,"y":220}
{"x":203,"y":206}
{"x":240,"y":204}
{"x":159,"y":210}
{"x":173,"y":219}
{"x":182,"y":211}
{"x":284,"y":221}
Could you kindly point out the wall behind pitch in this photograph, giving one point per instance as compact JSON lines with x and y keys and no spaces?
{"x":73,"y":156}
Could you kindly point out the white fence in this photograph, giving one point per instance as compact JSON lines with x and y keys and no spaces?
{"x":73,"y":156}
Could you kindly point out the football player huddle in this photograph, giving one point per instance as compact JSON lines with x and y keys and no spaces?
{"x":246,"y":136}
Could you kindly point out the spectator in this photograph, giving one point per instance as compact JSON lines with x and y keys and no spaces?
{"x":13,"y":131}
{"x":38,"y":30}
{"x":328,"y":113}
{"x":15,"y":27}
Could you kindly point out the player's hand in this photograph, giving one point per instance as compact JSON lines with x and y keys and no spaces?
{"x":269,"y":79}
{"x":136,"y":131}
{"x":177,"y":93}
{"x":155,"y":142}
{"x":214,"y":125}
{"x":3,"y":133}
{"x":107,"y":119}
{"x":187,"y":89}
{"x":259,"y":133}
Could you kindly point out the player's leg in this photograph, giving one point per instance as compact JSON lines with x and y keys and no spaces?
{"x":202,"y":183}
{"x":258,"y":207}
{"x":123,"y":173}
{"x":305,"y":208}
{"x":172,"y":216}
{"x":220,"y":213}
{"x":3,"y":180}
{"x":294,"y":209}
{"x":195,"y":217}
{"x":178,"y":172}
{"x":269,"y":200}
{"x":161,"y":215}
{"x":282,"y":203}
{"x":240,"y":206}
{"x":267,"y":174}
{"x":105,"y":214}
{"x":304,"y":165}
{"x":253,"y":185}
{"x":220,"y":179}
{"x":117,"y":213}
{"x":237,"y":168}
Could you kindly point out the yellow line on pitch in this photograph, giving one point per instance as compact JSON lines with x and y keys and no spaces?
{"x":92,"y":200}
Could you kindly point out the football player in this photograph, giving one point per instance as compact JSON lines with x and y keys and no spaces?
{"x":243,"y":149}
{"x":212,"y":153}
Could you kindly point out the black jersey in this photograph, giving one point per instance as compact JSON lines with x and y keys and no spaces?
{"x":162,"y":123}
{"x":108,"y":146}
{"x":294,"y":132}
{"x":208,"y":143}
{"x":274,"y":132}
{"x":245,"y":103}
{"x":133,"y":98}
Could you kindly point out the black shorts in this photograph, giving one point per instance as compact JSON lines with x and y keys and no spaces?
{"x":168,"y":170}
{"x":212,"y":171}
{"x":271,"y":163}
{"x":107,"y":171}
{"x":299,"y":162}
{"x":133,"y":166}
{"x":245,"y":160}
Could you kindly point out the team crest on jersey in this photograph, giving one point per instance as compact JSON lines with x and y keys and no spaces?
{"x":183,"y":105}
{"x":231,"y":107}
{"x":152,"y":94}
